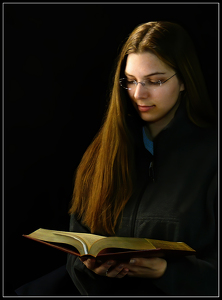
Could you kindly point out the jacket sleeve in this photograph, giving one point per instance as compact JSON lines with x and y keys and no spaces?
{"x":189,"y":276}
{"x":195,"y":275}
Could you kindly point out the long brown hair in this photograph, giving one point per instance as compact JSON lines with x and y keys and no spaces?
{"x":104,"y":181}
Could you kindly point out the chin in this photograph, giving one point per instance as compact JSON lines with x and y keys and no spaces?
{"x":146,"y":117}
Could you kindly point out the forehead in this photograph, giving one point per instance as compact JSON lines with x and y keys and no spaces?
{"x":142,"y":64}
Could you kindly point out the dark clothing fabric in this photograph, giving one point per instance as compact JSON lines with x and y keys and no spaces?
{"x":55,"y":283}
{"x":175,"y":199}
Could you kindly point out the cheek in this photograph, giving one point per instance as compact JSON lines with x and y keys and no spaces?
{"x":167,"y":96}
{"x":130,"y":94}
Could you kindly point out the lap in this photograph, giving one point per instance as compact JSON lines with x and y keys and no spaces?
{"x":55,"y":283}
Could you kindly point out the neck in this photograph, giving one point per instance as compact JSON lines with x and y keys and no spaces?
{"x":153,"y":131}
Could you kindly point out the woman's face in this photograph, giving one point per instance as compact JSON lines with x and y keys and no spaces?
{"x":155,"y":104}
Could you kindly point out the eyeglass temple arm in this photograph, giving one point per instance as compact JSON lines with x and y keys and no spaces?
{"x":169,"y":78}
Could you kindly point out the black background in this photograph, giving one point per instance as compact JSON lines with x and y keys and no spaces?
{"x":58,"y":63}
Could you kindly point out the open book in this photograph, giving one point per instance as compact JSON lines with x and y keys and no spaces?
{"x":104,"y":248}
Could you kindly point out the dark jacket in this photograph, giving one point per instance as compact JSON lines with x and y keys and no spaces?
{"x":175,"y":199}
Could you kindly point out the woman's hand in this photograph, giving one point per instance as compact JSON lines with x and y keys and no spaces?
{"x":137,"y":267}
{"x":109,"y":268}
{"x":153,"y":267}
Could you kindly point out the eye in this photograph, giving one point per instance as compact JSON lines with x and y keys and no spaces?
{"x":154,"y":82}
{"x":130,"y":81}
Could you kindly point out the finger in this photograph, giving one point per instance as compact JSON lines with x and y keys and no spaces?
{"x":118,"y":272}
{"x":123,"y":273}
{"x":147,"y":267}
{"x":101,"y":269}
{"x":146,"y":262}
{"x":104,"y":268}
{"x":90,"y":263}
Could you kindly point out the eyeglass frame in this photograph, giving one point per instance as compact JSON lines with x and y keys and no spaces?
{"x":143,"y":83}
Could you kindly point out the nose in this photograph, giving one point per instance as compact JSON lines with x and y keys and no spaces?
{"x":140,"y":92}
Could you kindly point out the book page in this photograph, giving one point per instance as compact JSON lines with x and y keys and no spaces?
{"x":88,"y":238}
{"x":168,"y":245}
{"x":122,"y":243}
{"x":49,"y":236}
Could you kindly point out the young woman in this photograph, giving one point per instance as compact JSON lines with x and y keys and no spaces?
{"x":151,"y":171}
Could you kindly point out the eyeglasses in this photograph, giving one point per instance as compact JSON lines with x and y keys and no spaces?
{"x":148,"y":84}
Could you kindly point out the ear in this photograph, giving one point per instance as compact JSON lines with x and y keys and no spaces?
{"x":182,"y":87}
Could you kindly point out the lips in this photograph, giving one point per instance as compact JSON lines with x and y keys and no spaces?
{"x":144,"y":107}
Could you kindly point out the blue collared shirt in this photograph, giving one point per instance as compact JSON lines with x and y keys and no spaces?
{"x":147,"y":142}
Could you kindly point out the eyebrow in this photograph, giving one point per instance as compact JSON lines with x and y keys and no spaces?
{"x":152,"y":74}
